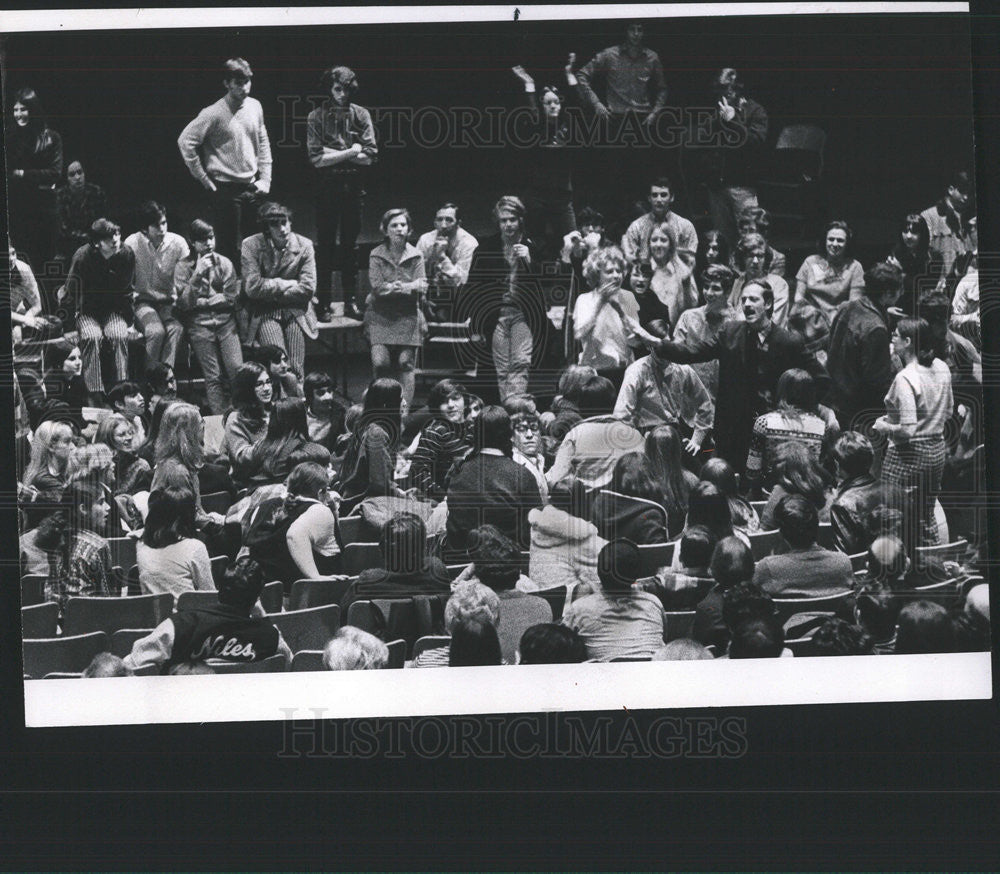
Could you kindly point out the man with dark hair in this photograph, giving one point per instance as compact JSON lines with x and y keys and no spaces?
{"x":324,"y":416}
{"x":757,"y":638}
{"x":858,"y":358}
{"x":126,"y":399}
{"x":226,"y":631}
{"x":340,"y":142}
{"x":157,"y":252}
{"x":806,"y":570}
{"x":227,"y":150}
{"x":551,"y":644}
{"x":635,"y":242}
{"x":946,"y":222}
{"x":858,"y":493}
{"x":279,"y":274}
{"x":752,"y":355}
{"x":619,"y":621}
{"x":448,"y":251}
{"x":591,"y":448}
{"x":99,"y":290}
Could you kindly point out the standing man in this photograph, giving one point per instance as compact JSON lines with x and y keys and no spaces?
{"x":752,"y":354}
{"x":227,"y":150}
{"x":739,"y":131}
{"x":946,"y":223}
{"x":157,"y":252}
{"x":279,"y":275}
{"x":447,"y":251}
{"x":631,"y":78}
{"x":340,"y":140}
{"x":635,"y":242}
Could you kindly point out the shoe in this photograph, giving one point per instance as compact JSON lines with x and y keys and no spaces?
{"x":351,"y":310}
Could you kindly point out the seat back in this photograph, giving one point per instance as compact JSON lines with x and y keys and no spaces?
{"x":123,"y":639}
{"x":677,"y":624}
{"x":799,"y":152}
{"x":83,"y":615}
{"x":399,"y":617}
{"x":801,"y":646}
{"x":556,"y":598}
{"x":765,"y":543}
{"x":67,"y":654}
{"x":307,"y":629}
{"x":219,"y":564}
{"x":397,"y":654}
{"x":455,"y":570}
{"x":308,"y":660}
{"x":352,"y":529}
{"x":654,"y":556}
{"x":840,"y":604}
{"x":316,"y":593}
{"x":39,"y":620}
{"x":955,"y":551}
{"x":945,"y":592}
{"x":859,"y":562}
{"x":360,"y":556}
{"x":123,"y":551}
{"x":824,"y":535}
{"x":272,"y":596}
{"x":758,"y":506}
{"x":196,"y":600}
{"x":804,"y":137}
{"x":216,"y":502}
{"x":33,"y":589}
{"x":430,"y":641}
{"x":271,"y":665}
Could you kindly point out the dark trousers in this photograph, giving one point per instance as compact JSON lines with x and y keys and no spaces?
{"x":233,"y":207}
{"x":339,"y":202}
{"x":549,"y":211}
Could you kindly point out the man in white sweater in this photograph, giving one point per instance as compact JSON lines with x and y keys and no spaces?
{"x":227,"y":150}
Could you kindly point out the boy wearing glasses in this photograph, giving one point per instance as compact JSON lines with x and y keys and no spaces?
{"x":527,"y":441}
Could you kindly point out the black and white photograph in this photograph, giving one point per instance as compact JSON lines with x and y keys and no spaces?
{"x":544,"y":348}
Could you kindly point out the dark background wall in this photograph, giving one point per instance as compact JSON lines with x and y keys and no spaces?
{"x":892,"y":92}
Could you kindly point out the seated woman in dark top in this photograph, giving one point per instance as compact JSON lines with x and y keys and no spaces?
{"x":285,"y":445}
{"x":132,"y":474}
{"x":408,"y":569}
{"x":443,"y":440}
{"x":61,"y":386}
{"x":632,"y":507}
{"x":369,"y":466}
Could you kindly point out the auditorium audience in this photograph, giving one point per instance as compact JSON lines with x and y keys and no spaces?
{"x":632,"y":506}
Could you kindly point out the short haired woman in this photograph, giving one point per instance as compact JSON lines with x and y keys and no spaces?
{"x":170,"y":557}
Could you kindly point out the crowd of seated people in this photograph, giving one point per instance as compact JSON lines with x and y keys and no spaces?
{"x":770,"y":443}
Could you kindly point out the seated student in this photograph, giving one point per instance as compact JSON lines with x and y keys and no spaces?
{"x":170,"y":557}
{"x":632,"y":505}
{"x":837,"y":637}
{"x":972,"y":625}
{"x":798,"y":473}
{"x":104,"y":664}
{"x":756,"y":220}
{"x":564,"y":545}
{"x":684,"y":588}
{"x":732,"y":564}
{"x":147,"y":451}
{"x":226,"y":630}
{"x":285,"y":445}
{"x":490,"y":488}
{"x":131,"y":473}
{"x":498,"y":565}
{"x":757,"y":638}
{"x":474,"y":643}
{"x":592,"y":447}
{"x":682,"y":650}
{"x":50,"y":452}
{"x":858,"y":493}
{"x":324,"y":416}
{"x":468,"y":601}
{"x":352,"y":649}
{"x":295,"y":537}
{"x":565,"y":410}
{"x":126,"y":399}
{"x":751,"y":259}
{"x":720,"y":473}
{"x":283,"y":378}
{"x":807,"y":570}
{"x":246,"y":424}
{"x":408,"y":569}
{"x":444,"y":439}
{"x":58,"y":393}
{"x":875,"y":610}
{"x":160,"y":384}
{"x":526,"y":441}
{"x":620,"y":621}
{"x":551,"y":644}
{"x":924,"y":627}
{"x":663,"y":451}
{"x":709,"y":508}
{"x":82,"y":560}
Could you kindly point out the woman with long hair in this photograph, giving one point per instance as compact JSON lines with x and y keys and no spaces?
{"x":912,"y":256}
{"x":148,"y":449}
{"x":369,"y":466}
{"x":50,"y":452}
{"x":798,"y":473}
{"x":672,"y":281}
{"x":918,"y":407}
{"x":246,"y":424}
{"x":61,"y":391}
{"x":664,"y":454}
{"x":170,"y":557}
{"x":831,"y":276}
{"x":394,"y":321}
{"x":132,"y":473}
{"x":275,"y":360}
{"x":180,"y":455}
{"x":632,"y":506}
{"x":713,"y":251}
{"x":285,"y":445}
{"x":34,"y":166}
{"x":295,"y":537}
{"x":443,"y":440}
{"x":795,"y":419}
{"x":721,"y":474}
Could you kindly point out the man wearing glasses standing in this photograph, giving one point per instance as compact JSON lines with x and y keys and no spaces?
{"x":226,"y":148}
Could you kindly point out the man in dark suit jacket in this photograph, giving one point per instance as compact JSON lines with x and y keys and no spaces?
{"x":808,"y":570}
{"x":752,"y":355}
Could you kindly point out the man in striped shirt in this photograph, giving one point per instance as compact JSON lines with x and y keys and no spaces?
{"x":227,"y":150}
